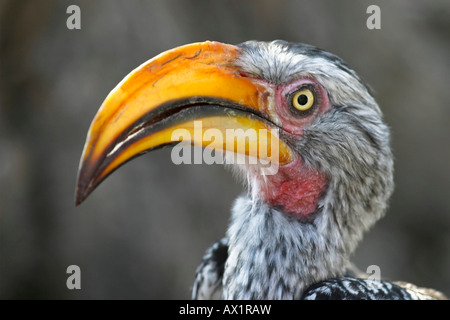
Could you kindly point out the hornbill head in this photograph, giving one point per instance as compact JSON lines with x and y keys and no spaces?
{"x":321,"y":127}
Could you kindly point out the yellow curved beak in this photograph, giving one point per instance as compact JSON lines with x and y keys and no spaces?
{"x":174,"y":91}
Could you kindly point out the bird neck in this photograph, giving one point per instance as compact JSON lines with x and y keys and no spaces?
{"x":272,"y":255}
{"x":295,"y":188}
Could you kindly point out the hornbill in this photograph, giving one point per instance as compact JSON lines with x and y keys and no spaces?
{"x":292,"y":233}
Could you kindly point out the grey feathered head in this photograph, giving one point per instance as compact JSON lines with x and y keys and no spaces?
{"x":348,"y":141}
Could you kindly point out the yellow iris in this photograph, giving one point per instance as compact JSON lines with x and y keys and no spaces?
{"x":303,"y":100}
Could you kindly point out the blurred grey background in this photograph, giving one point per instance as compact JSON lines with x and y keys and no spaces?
{"x":142,"y":233}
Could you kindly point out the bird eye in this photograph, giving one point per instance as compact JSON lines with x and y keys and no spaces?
{"x":303,"y":100}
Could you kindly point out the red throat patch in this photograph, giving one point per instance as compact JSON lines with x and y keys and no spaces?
{"x":295,"y":188}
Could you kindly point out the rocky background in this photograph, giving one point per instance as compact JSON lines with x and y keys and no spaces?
{"x":142,"y":233}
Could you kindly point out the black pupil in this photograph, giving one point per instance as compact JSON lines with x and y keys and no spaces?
{"x":302,"y":99}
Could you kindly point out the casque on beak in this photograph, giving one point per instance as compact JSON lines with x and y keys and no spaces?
{"x":196,"y":82}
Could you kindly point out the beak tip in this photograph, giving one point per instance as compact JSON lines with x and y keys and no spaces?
{"x":78,"y":199}
{"x":82,"y":192}
{"x":80,"y":195}
{"x":83,"y":189}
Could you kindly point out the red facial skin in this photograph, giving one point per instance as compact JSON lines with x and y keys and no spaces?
{"x":296,"y":189}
